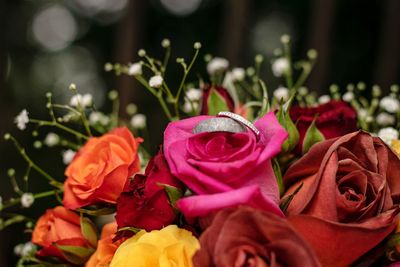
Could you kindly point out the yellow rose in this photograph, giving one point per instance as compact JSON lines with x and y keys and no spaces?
{"x":396,"y":146}
{"x":168,"y":247}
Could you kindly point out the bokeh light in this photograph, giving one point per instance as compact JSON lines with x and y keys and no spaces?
{"x":181,"y":7}
{"x":54,"y":27}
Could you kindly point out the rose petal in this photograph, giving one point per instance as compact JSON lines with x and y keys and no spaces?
{"x":197,"y":206}
{"x":337,"y":238}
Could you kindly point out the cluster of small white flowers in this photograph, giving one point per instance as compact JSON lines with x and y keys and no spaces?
{"x":81,"y":100}
{"x":388,"y":134}
{"x":323,"y":99}
{"x":23,"y":250}
{"x":51,"y":139}
{"x":217,"y":65}
{"x":281,"y":93}
{"x":98,"y":117}
{"x":194,"y":94}
{"x":384,"y":119}
{"x":190,"y":106}
{"x":238,"y":74}
{"x":135,"y":69}
{"x":22,"y":119}
{"x":68,"y":156}
{"x":280,"y":66}
{"x":27,"y":200}
{"x":348,"y":96}
{"x":156,"y":81}
{"x":362,"y":113}
{"x":138,"y":121}
{"x":390,"y":104}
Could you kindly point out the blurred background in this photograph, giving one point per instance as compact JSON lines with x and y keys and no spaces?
{"x":46,"y":45}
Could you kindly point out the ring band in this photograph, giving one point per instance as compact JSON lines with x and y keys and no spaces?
{"x":219,"y":124}
{"x":241,"y":120}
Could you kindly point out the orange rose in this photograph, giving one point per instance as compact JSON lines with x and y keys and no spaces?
{"x":60,"y":228}
{"x":100,"y":168}
{"x":105,"y":247}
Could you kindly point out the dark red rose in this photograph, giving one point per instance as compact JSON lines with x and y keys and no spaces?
{"x":144,"y":202}
{"x":215,"y":99}
{"x":349,"y":198}
{"x":335,"y":118}
{"x":246,"y":237}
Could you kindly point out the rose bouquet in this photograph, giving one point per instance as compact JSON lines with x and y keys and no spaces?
{"x":244,"y":177}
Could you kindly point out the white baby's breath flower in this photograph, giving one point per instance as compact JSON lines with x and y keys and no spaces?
{"x":81,"y":100}
{"x":217,"y":65}
{"x":135,"y":69}
{"x":194,"y":94}
{"x":28,"y":249}
{"x":22,"y":119}
{"x":98,"y":117}
{"x":388,"y":134}
{"x":68,"y":156}
{"x":18,"y":249}
{"x":280,"y":66}
{"x":323,"y":99}
{"x":390,"y":104}
{"x":362,"y":113}
{"x":190,"y":106}
{"x":27,"y":200}
{"x":348,"y":96}
{"x":238,"y":74}
{"x":281,"y":93}
{"x":156,"y":81}
{"x":384,"y":119}
{"x":51,"y":139}
{"x":138,"y":121}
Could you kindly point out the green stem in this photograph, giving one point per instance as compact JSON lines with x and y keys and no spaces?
{"x":22,"y":152}
{"x":142,"y":81}
{"x":185,"y":74}
{"x":60,"y":126}
{"x":16,"y":201}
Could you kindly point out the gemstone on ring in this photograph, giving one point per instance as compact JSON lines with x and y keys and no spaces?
{"x":241,"y":120}
{"x":219,"y":124}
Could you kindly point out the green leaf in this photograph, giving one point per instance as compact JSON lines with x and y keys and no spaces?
{"x":89,"y":231}
{"x":131,"y":229}
{"x":287,"y":123}
{"x":216,"y":103}
{"x":97,"y":211}
{"x":74,"y":254}
{"x":174,"y":193}
{"x":287,"y":200}
{"x":313,"y":136}
{"x":278,"y":175}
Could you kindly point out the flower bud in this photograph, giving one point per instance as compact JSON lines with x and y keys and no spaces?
{"x":216,"y":99}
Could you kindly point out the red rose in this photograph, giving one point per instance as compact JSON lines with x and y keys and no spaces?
{"x":144,"y":202}
{"x":216,"y":98}
{"x":335,"y":118}
{"x":246,"y":237}
{"x":349,"y":198}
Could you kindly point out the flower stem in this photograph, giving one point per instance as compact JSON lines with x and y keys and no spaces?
{"x":16,"y":201}
{"x":60,"y":126}
{"x":22,"y":152}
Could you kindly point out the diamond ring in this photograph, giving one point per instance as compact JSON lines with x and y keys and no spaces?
{"x":241,"y":120}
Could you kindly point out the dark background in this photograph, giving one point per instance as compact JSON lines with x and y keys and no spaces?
{"x":46,"y":45}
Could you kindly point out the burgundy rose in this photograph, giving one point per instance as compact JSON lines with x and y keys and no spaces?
{"x":349,"y":197}
{"x":246,"y":237}
{"x":144,"y":202}
{"x":214,"y":98}
{"x":335,"y":118}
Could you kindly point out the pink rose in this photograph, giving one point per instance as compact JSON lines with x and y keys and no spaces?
{"x":224,"y":169}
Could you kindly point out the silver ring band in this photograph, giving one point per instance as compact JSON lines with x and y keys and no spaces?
{"x":241,"y":120}
{"x":219,"y":125}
